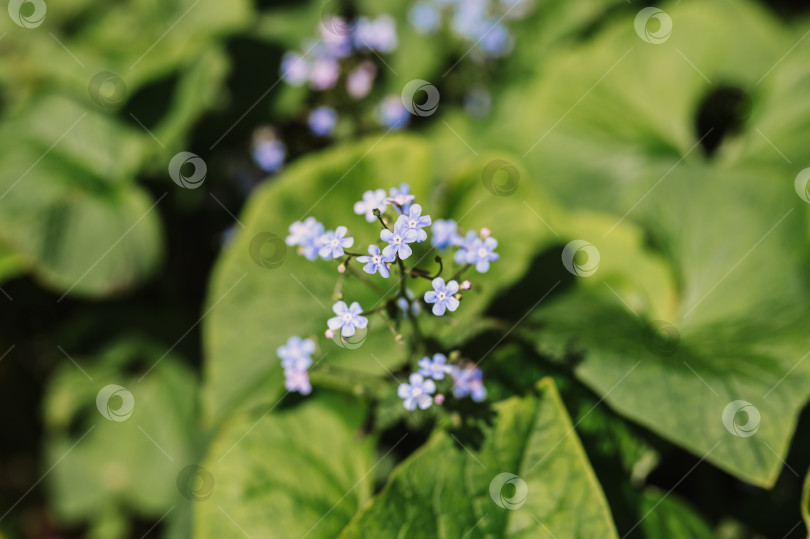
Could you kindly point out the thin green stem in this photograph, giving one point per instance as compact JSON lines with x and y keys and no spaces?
{"x":397,"y":336}
{"x":417,"y":334}
{"x":337,"y":294}
{"x":375,"y":310}
{"x":461,"y":270}
{"x":363,"y":278}
{"x":380,"y":218}
{"x":418,"y":272}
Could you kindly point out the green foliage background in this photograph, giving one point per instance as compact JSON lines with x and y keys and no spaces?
{"x":112,"y":274}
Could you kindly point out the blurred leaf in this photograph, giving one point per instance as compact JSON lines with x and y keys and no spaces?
{"x":141,"y":43}
{"x":68,"y":203}
{"x":197,"y":92}
{"x":665,"y":516}
{"x":648,"y":95}
{"x":12,"y":263}
{"x":108,"y":466}
{"x":301,"y":471}
{"x":444,"y":490}
{"x":806,"y":502}
{"x":291,"y":25}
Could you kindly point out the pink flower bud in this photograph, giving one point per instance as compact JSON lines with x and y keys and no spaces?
{"x":342,"y":268}
{"x":439,"y":399}
{"x":329,"y":334}
{"x":466,"y":285}
{"x":485,"y":233}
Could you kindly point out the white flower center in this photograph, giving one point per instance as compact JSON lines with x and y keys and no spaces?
{"x":482,"y":253}
{"x":442,"y":295}
{"x":335,"y":242}
{"x":412,"y":223}
{"x":347,"y":317}
{"x":375,"y":259}
{"x":397,"y":240}
{"x":417,"y":391}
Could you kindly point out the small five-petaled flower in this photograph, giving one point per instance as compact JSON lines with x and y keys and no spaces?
{"x":417,"y":392}
{"x":398,"y":240}
{"x":442,"y":296}
{"x":415,"y":221}
{"x":333,"y":242}
{"x":348,"y":319}
{"x":376,"y":261}
{"x":435,"y":368}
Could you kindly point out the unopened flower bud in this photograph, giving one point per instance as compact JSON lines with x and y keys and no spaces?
{"x":485,"y":233}
{"x":329,"y":334}
{"x":465,"y":285}
{"x":439,"y":399}
{"x":342,"y":268}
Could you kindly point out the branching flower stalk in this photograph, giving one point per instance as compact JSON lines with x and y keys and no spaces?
{"x":401,"y":225}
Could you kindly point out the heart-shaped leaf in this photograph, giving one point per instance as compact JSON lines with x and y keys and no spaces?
{"x":529,"y":478}
{"x":298,"y":472}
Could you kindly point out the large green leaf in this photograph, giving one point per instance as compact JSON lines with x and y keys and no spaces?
{"x":104,"y":468}
{"x":142,"y":43}
{"x":733,"y":336}
{"x":255,"y":309}
{"x":664,"y":516}
{"x":299,"y":472}
{"x":616,"y":131}
{"x":68,"y":203}
{"x":444,"y":490}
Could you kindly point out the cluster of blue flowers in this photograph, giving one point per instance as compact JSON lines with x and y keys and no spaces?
{"x":419,"y":392}
{"x":472,"y":248}
{"x":348,"y":320}
{"x":342,"y":49}
{"x":324,"y":60}
{"x":319,"y":64}
{"x":479,"y":22}
{"x":296,"y":359}
{"x":403,"y":224}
